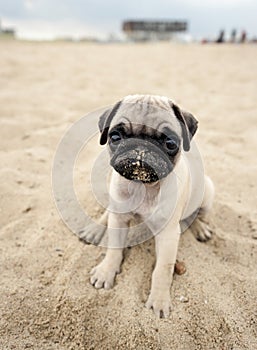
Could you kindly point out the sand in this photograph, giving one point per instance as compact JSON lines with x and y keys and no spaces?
{"x":47,"y":302}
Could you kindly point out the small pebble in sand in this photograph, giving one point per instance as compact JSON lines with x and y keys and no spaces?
{"x":180,"y":267}
{"x":184,"y":299}
{"x":28,"y":209}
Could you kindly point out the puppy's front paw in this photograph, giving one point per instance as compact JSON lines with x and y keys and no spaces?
{"x":160,"y":303}
{"x":103,"y":275}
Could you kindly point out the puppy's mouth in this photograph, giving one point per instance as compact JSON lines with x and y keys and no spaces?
{"x":146,"y":166}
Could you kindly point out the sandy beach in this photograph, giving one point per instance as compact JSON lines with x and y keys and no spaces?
{"x":47,"y":302}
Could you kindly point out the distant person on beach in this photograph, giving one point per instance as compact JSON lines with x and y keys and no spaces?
{"x":233,"y":36}
{"x":243,"y":37}
{"x":221,"y":37}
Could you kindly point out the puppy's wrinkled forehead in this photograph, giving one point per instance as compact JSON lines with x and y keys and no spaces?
{"x":146,"y":114}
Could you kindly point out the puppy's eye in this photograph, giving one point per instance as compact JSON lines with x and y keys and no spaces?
{"x":171,"y":145}
{"x":115,"y":136}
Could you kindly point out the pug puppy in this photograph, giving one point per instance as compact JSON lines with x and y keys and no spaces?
{"x":155,"y":174}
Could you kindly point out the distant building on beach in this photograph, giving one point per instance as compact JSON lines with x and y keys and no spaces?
{"x":153,"y":30}
{"x":6,"y":32}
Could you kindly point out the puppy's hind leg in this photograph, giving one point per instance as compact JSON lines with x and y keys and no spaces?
{"x":199,"y":227}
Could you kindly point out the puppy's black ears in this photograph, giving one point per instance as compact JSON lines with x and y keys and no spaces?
{"x":188,"y":123}
{"x":105,"y":121}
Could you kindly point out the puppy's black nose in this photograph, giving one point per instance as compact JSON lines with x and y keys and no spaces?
{"x":137,"y":169}
{"x":140,"y":160}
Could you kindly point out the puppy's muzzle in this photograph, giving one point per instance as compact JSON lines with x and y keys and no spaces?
{"x":140,"y":160}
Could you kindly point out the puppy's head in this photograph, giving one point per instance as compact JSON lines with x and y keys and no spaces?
{"x":146,"y":135}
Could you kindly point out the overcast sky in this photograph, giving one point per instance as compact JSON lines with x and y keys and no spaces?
{"x":48,"y":18}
